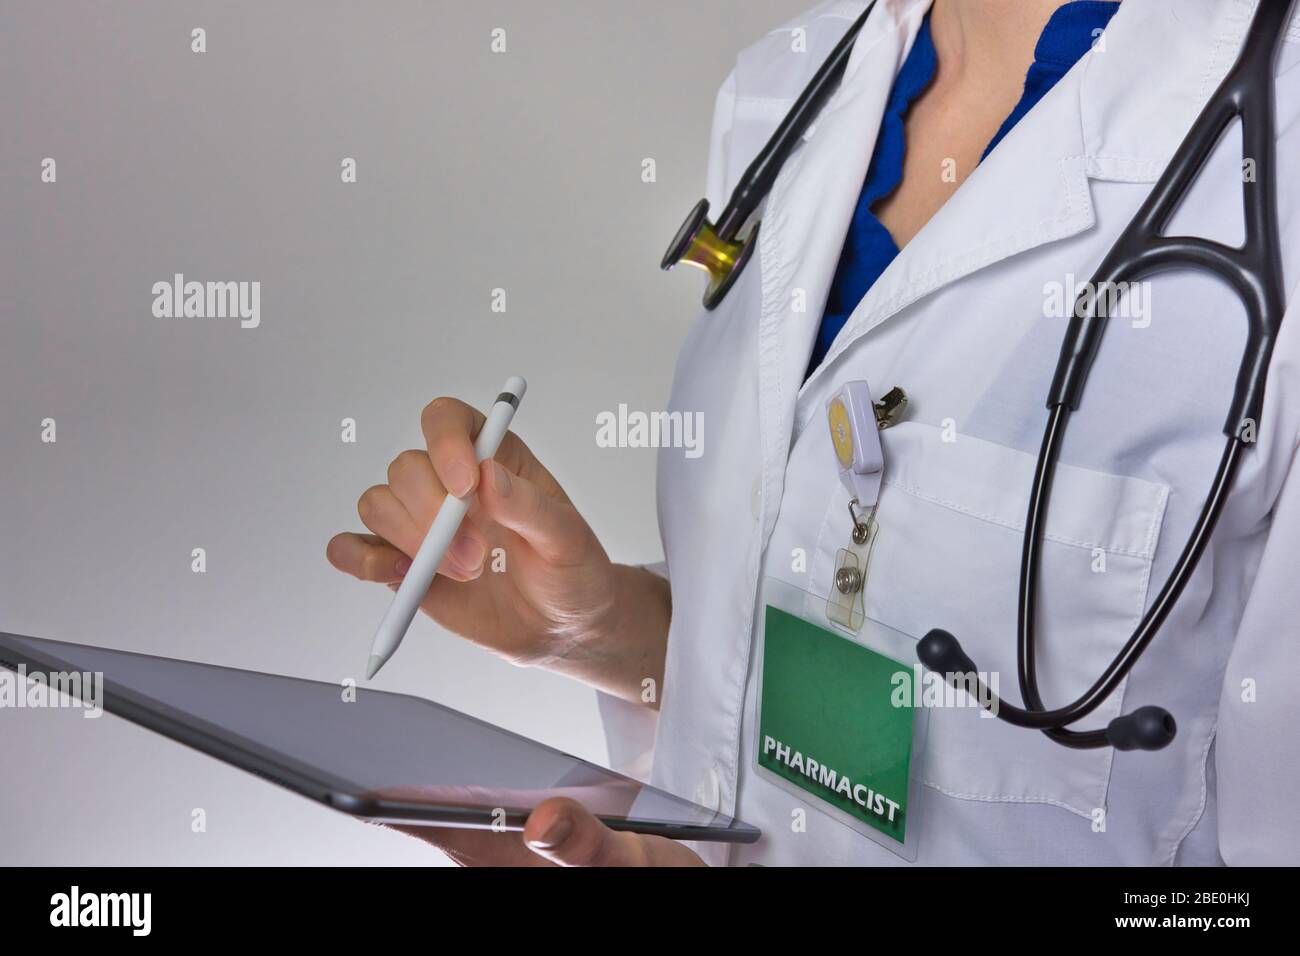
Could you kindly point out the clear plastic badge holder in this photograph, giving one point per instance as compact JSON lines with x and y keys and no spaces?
{"x":902,"y":671}
{"x":852,"y":567}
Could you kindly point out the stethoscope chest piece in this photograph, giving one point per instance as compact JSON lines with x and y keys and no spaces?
{"x":698,"y":243}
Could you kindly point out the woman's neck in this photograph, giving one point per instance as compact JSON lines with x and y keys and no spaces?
{"x":983,"y":50}
{"x":985,"y":47}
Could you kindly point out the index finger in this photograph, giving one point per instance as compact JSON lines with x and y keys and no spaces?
{"x":450,"y":427}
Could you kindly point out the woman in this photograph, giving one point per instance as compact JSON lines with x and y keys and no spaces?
{"x":979,"y":157}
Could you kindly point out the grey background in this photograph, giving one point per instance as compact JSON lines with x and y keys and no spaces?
{"x":476,"y":171}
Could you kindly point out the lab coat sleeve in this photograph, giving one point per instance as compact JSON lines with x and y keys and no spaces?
{"x":1257,"y":753}
{"x":630,"y":727}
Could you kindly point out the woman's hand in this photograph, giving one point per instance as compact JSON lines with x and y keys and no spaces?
{"x":559,"y":832}
{"x":525,"y":576}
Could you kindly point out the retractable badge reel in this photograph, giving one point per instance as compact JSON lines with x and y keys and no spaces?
{"x":856,"y":422}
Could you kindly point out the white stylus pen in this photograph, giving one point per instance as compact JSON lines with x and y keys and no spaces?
{"x":424,"y":566}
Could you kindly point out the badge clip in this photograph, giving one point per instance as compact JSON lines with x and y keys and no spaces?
{"x":889,"y":410}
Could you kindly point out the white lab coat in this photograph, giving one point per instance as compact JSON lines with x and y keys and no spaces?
{"x":958,"y":321}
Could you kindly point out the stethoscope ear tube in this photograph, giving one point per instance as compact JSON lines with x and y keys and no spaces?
{"x":757,"y":181}
{"x":1147,"y":728}
{"x":1254,"y":272}
{"x":724,"y":248}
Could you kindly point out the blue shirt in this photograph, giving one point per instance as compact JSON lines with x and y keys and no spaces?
{"x":868,"y":246}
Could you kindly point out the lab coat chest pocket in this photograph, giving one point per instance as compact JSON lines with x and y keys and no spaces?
{"x":951,"y":520}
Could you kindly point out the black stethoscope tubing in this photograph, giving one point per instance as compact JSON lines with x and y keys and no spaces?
{"x":1254,"y":271}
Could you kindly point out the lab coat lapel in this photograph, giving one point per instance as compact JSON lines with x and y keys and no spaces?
{"x":1032,"y":189}
{"x":1119,"y":114}
{"x":807,"y":216}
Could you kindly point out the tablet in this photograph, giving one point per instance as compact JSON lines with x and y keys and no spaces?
{"x":390,"y":758}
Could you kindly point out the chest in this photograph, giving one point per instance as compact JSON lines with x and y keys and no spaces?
{"x":946,"y":131}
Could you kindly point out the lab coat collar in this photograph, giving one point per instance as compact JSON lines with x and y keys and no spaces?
{"x":897,"y":20}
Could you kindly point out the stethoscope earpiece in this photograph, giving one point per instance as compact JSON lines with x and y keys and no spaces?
{"x":1147,"y":728}
{"x":940,"y":652}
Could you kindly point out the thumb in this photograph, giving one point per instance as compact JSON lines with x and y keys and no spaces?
{"x":552,"y":526}
{"x":563,"y":831}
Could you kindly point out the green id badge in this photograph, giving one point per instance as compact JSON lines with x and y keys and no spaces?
{"x":833,"y":724}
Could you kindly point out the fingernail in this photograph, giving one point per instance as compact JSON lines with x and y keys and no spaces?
{"x":468,"y":552}
{"x":402,"y":566}
{"x":500,"y":479}
{"x":459,"y":477}
{"x":553,"y":835}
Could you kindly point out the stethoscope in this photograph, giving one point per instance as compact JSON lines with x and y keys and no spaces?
{"x":1253,"y":270}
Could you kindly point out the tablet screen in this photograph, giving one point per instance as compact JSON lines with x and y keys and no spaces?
{"x":393,"y":749}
